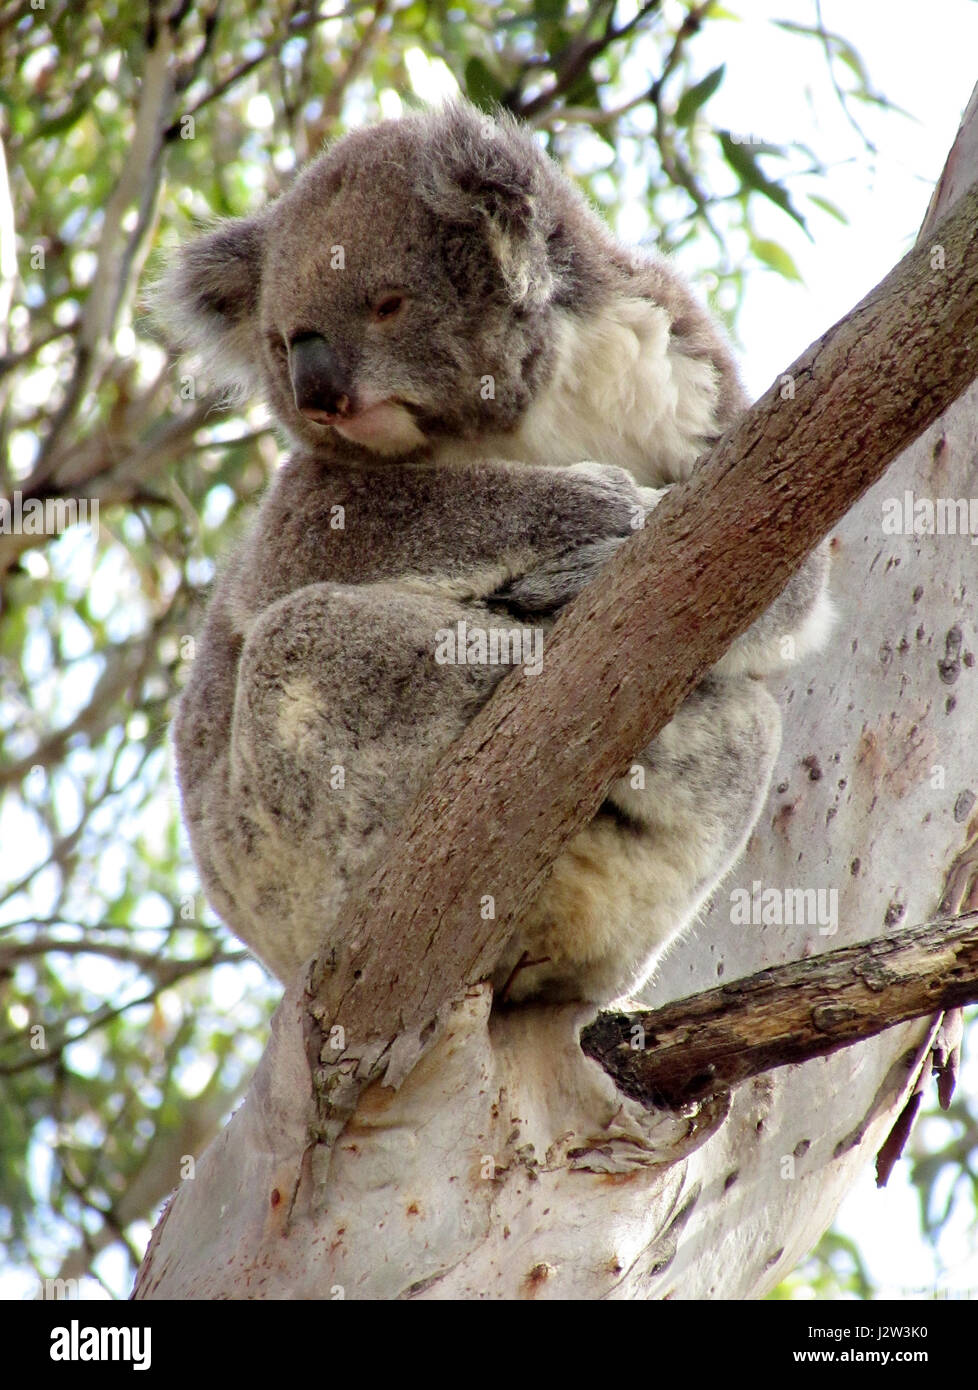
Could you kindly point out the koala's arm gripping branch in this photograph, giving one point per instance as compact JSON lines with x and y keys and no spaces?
{"x":537,"y":761}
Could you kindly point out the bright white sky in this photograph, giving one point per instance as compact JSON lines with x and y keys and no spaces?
{"x":923,"y":58}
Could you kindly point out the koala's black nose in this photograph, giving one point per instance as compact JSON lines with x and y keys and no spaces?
{"x":319,"y":384}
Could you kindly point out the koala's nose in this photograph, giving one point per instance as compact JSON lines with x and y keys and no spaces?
{"x":319,"y":383}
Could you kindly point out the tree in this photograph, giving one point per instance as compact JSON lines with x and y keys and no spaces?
{"x":87,"y":409}
{"x":399,"y":1140}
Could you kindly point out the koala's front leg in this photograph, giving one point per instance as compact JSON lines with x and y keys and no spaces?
{"x":553,"y":583}
{"x":797,"y":622}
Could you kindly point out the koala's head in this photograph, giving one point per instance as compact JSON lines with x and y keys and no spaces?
{"x":400,"y":292}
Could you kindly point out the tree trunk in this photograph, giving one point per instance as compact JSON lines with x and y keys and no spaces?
{"x":506,"y":1164}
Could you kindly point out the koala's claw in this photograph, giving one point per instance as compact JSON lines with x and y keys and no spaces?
{"x":525,"y":962}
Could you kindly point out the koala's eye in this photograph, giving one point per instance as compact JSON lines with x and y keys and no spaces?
{"x":388,"y":307}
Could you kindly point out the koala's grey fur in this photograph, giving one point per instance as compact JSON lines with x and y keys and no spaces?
{"x":484,"y":339}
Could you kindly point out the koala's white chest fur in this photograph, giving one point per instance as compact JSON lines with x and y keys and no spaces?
{"x":622,"y":393}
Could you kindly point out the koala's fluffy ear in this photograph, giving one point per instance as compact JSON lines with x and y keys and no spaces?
{"x":206,"y":300}
{"x":490,"y":171}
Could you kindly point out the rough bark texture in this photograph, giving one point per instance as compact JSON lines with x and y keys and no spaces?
{"x":506,"y":1163}
{"x":693,"y":1047}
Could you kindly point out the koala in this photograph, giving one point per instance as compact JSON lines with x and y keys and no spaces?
{"x":484,"y":394}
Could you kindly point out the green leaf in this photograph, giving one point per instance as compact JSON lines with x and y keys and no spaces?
{"x":57,"y":125}
{"x":758,"y":147}
{"x":742,"y":161}
{"x":698,"y":95}
{"x":848,"y":55}
{"x":773,"y":254}
{"x":791,"y":26}
{"x":584,"y":92}
{"x":482,"y":86}
{"x":828,"y":207}
{"x":838,"y":46}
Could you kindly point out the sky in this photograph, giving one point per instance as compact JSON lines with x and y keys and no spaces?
{"x":924,"y":59}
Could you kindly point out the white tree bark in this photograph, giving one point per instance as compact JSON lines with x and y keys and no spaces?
{"x":859,"y":806}
{"x":506,"y":1164}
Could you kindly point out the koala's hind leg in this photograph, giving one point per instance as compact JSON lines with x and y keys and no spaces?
{"x":634,"y":878}
{"x":340,"y":712}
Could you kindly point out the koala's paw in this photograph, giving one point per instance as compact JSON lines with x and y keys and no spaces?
{"x":557,"y":581}
{"x":650,"y":497}
{"x":621,"y":505}
{"x":620,"y":483}
{"x":608,"y":474}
